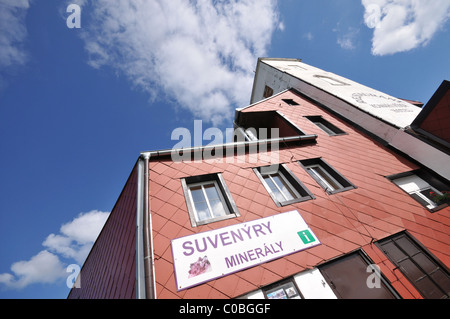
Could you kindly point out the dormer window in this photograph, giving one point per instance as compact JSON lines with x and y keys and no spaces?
{"x":290,"y":102}
{"x":426,"y":189}
{"x":325,"y":126}
{"x":267,"y":125}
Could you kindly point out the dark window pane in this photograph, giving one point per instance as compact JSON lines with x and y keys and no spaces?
{"x":393,"y":252}
{"x":411,"y":270}
{"x":425,"y":263}
{"x":407,"y":246}
{"x":443,"y":279}
{"x":429,"y":289}
{"x":418,"y":266}
{"x":427,"y":193}
{"x":348,"y":277}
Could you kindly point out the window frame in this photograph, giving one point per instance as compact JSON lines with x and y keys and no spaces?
{"x":224,"y":195}
{"x":290,"y":102}
{"x":291,"y":181}
{"x":280,"y":285}
{"x":325,"y":126}
{"x":362,"y":256}
{"x":251,"y":124}
{"x":421,"y":250}
{"x":426,"y":181}
{"x":331,"y":172}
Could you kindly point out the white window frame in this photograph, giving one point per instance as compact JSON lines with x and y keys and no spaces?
{"x":323,"y":181}
{"x":324,"y":128}
{"x":211,"y":211}
{"x":282,"y":170}
{"x":414,"y":185}
{"x":231,"y":210}
{"x":325,"y":125}
{"x":286,"y":183}
{"x":250,"y":134}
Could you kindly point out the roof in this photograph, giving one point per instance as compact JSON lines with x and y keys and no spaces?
{"x":397,"y":112}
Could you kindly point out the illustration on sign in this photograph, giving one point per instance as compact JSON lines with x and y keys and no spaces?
{"x":206,"y":256}
{"x":201,"y":266}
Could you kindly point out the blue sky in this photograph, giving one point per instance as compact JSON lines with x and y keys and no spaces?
{"x":77,"y":106}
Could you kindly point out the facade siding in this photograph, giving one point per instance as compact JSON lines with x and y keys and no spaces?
{"x":343,"y":222}
{"x":110,"y":269}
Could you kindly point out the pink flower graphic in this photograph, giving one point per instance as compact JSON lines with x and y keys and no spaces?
{"x":201,"y":266}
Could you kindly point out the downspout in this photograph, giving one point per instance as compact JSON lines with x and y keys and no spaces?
{"x":150,"y":286}
{"x":140,"y":269}
{"x":146,"y":288}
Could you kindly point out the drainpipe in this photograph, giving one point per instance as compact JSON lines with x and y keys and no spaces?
{"x":145,"y":281}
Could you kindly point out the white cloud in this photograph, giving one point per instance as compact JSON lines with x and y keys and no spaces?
{"x":347,"y":40}
{"x":77,"y":236}
{"x":73,"y":243}
{"x":45,"y":267}
{"x":12,"y":33}
{"x":200,"y":53}
{"x":402,"y":25}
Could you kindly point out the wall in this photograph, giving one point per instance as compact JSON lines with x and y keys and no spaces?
{"x":110,"y":269}
{"x":343,"y":222}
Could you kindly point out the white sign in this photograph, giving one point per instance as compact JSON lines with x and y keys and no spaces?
{"x":206,"y":256}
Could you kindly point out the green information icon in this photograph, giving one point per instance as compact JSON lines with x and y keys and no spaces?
{"x":306,"y":236}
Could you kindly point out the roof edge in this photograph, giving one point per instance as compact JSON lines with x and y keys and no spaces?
{"x":240,"y":145}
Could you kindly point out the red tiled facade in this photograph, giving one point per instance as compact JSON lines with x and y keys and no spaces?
{"x":344,"y":222}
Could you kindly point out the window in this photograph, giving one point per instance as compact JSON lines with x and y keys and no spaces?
{"x":282,"y":185}
{"x":419,"y":189}
{"x":348,"y":277}
{"x":325,"y":126}
{"x":268,"y":92}
{"x":266,"y":125}
{"x":208,"y":199}
{"x":423,"y":270}
{"x":290,"y":102}
{"x":326,"y":176}
{"x":283,"y":290}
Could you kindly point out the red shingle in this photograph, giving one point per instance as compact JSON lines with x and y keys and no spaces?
{"x":343,"y":222}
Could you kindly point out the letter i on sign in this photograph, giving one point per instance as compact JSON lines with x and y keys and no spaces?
{"x":306,"y":236}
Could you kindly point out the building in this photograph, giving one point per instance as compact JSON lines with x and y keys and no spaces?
{"x":329,"y":189}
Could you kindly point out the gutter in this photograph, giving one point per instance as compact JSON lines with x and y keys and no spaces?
{"x":145,"y":267}
{"x":235,"y":145}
